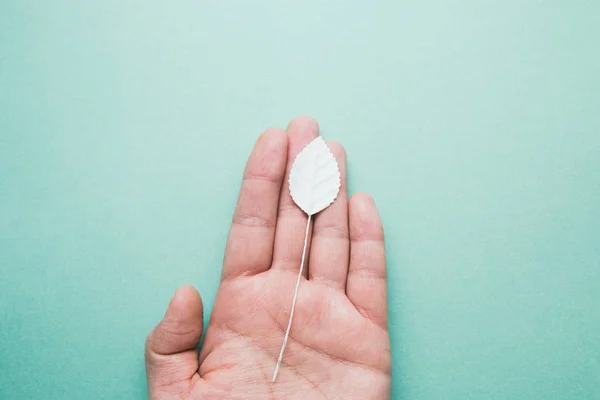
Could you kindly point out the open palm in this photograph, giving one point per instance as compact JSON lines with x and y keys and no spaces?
{"x":339,"y":344}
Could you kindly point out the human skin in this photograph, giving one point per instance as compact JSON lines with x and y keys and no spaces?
{"x":339,"y":345}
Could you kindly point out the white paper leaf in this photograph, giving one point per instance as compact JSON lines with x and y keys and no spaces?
{"x":315,"y":177}
{"x":314,"y":185}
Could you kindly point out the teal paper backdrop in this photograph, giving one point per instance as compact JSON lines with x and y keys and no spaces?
{"x":125,"y":126}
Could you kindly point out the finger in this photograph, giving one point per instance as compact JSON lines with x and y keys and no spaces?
{"x":171,"y":356}
{"x":250,"y":244}
{"x":330,"y":246}
{"x":366,"y":286}
{"x":291,"y":220}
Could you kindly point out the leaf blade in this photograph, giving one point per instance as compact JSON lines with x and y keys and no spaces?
{"x":315,"y":178}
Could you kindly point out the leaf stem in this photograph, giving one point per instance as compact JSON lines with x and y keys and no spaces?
{"x":287,"y":332}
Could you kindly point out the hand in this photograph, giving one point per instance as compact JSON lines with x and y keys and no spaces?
{"x":339,"y":345}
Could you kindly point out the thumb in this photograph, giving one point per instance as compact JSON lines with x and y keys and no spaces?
{"x":171,"y":356}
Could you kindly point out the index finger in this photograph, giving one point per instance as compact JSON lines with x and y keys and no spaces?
{"x":249,"y":247}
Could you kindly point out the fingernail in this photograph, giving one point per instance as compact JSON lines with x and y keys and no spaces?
{"x":172,"y":299}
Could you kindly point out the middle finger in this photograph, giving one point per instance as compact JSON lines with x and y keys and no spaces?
{"x":291,"y":220}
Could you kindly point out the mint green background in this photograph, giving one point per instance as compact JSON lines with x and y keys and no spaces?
{"x":124,"y":129}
